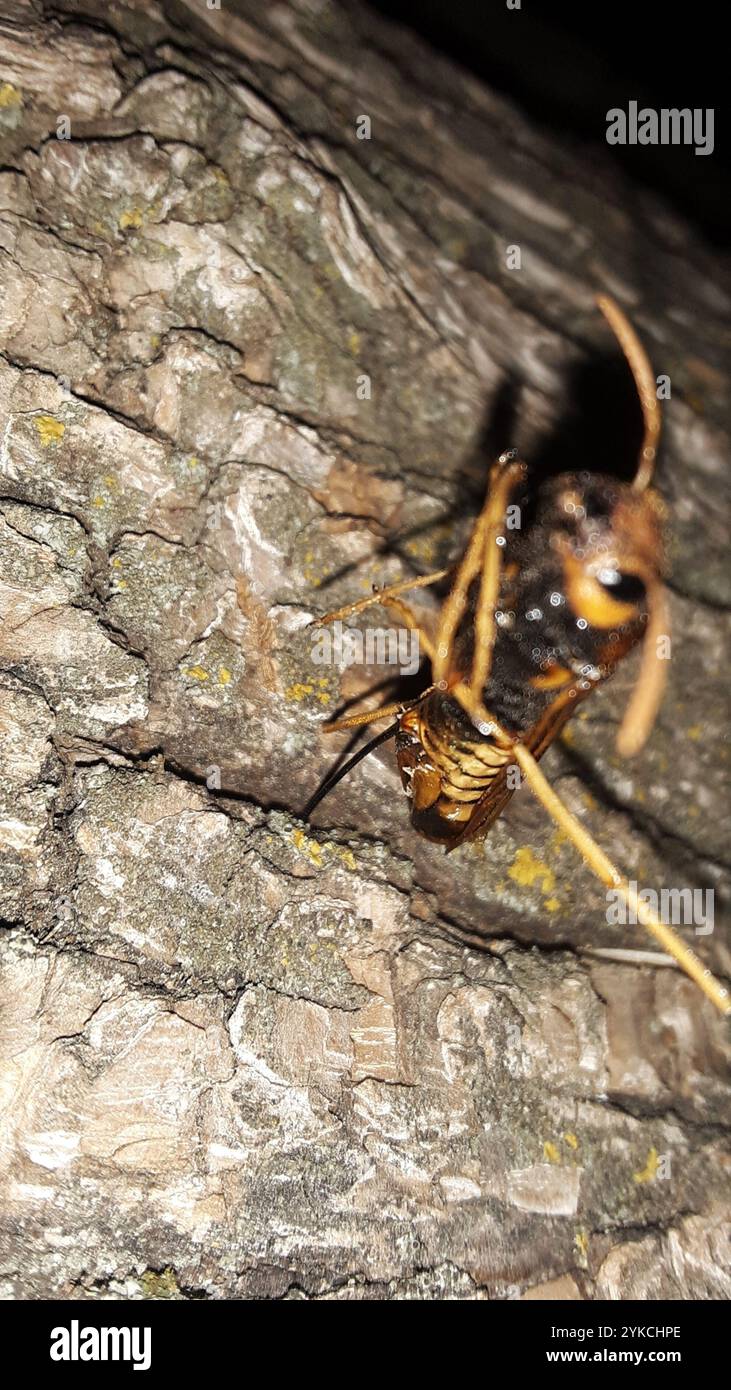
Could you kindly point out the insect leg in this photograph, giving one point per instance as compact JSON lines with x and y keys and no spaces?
{"x":379,"y":596}
{"x":605,"y":870}
{"x":477,"y":557}
{"x":485,"y":630}
{"x":352,"y":721}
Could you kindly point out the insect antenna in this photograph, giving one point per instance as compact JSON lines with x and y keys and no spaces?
{"x":639,"y":365}
{"x":335,"y":777}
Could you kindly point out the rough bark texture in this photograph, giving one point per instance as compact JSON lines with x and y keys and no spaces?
{"x":242,"y":1057}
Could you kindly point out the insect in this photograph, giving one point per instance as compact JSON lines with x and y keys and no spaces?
{"x":536,"y":617}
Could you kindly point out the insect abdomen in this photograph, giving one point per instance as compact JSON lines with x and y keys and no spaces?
{"x":443,"y":777}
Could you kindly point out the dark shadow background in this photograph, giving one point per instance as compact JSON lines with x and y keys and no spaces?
{"x":567,"y":64}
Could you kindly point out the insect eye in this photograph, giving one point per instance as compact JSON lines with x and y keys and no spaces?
{"x":626,"y":588}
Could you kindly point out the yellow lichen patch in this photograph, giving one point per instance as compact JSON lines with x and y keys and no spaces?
{"x":299,"y":691}
{"x":312,"y":848}
{"x":98,"y":501}
{"x":224,"y":675}
{"x":354,"y":343}
{"x":571,"y":1140}
{"x":221,"y":176}
{"x":559,"y":838}
{"x":695,"y":732}
{"x":581,"y":1242}
{"x":9,"y":95}
{"x":526,"y":869}
{"x":456,"y":248}
{"x":131,"y":218}
{"x":552,"y":904}
{"x":193,"y":462}
{"x":648,"y":1173}
{"x":346,"y":855}
{"x":49,"y":429}
{"x":197,"y":673}
{"x":551,"y":1152}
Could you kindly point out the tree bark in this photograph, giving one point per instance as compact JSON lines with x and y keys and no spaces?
{"x":253,"y":363}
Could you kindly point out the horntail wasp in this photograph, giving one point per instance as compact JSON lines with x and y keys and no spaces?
{"x":535,"y":619}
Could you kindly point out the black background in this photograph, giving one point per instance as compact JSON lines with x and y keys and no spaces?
{"x":567,"y":64}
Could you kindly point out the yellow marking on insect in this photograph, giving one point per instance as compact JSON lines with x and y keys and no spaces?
{"x":571,"y":1140}
{"x":9,"y":95}
{"x":649,"y":1172}
{"x":525,"y":869}
{"x":131,"y":218}
{"x":589,"y":600}
{"x":49,"y":429}
{"x":198,"y":673}
{"x":224,"y":675}
{"x":551,"y":1152}
{"x":552,"y":679}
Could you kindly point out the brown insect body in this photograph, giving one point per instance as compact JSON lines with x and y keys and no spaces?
{"x":572,"y":603}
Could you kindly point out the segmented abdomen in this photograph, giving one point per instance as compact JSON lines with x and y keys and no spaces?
{"x":443,"y":776}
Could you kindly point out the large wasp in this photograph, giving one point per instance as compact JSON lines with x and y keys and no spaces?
{"x":536,"y":618}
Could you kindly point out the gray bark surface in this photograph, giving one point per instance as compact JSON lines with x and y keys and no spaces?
{"x":242,"y":1056}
